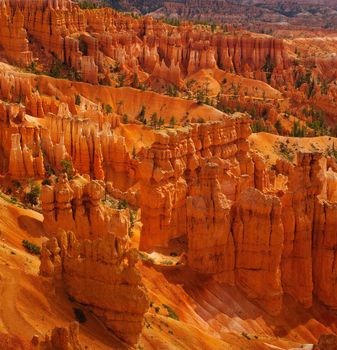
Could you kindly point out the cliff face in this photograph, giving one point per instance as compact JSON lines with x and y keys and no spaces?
{"x":170,"y":172}
{"x":267,"y":241}
{"x":102,"y":275}
{"x":258,"y":237}
{"x":20,"y":143}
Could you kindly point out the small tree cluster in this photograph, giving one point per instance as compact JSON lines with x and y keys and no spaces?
{"x":121,"y":79}
{"x":67,"y":167}
{"x":172,"y":122}
{"x":32,"y":197}
{"x":141,"y":116}
{"x":303,"y":79}
{"x":172,"y":90}
{"x":156,"y":122}
{"x":268,"y":68}
{"x":298,"y":130}
{"x":87,"y":5}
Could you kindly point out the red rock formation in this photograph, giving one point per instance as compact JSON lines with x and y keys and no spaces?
{"x":20,"y":142}
{"x":61,"y":339}
{"x":169,"y":173}
{"x":163,"y":51}
{"x":326,"y":342}
{"x":76,"y":206}
{"x":259,"y":237}
{"x":298,"y":205}
{"x":13,"y":36}
{"x":102,"y":275}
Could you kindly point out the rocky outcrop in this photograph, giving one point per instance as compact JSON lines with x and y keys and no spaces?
{"x":61,"y":338}
{"x":298,"y":204}
{"x":169,"y":172}
{"x":102,"y":275}
{"x":20,"y":142}
{"x":258,"y":238}
{"x":22,"y":162}
{"x":13,"y":36}
{"x":76,"y":205}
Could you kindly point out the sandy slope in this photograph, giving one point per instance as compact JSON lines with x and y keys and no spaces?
{"x":29,"y":304}
{"x":222,"y":311}
{"x":268,"y":145}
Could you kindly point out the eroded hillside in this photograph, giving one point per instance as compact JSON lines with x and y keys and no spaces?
{"x":135,"y":198}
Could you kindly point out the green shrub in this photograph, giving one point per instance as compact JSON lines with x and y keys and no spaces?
{"x":67,"y":167}
{"x":78,"y":100}
{"x":268,"y":68}
{"x":171,"y":312}
{"x":31,"y":247}
{"x":16,"y":184}
{"x":121,"y":79}
{"x":161,"y":122}
{"x":46,"y":182}
{"x":154,"y":120}
{"x":135,"y":81}
{"x":172,"y":122}
{"x":123,"y":204}
{"x":108,"y":109}
{"x":87,"y":5}
{"x":141,"y":115}
{"x":171,"y":21}
{"x":172,"y":90}
{"x":49,"y":170}
{"x":32,"y":67}
{"x":286,"y":152}
{"x":278,"y":127}
{"x":55,"y":70}
{"x":298,"y":130}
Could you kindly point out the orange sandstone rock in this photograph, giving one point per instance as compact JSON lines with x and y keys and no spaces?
{"x":102,"y":275}
{"x":76,"y":205}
